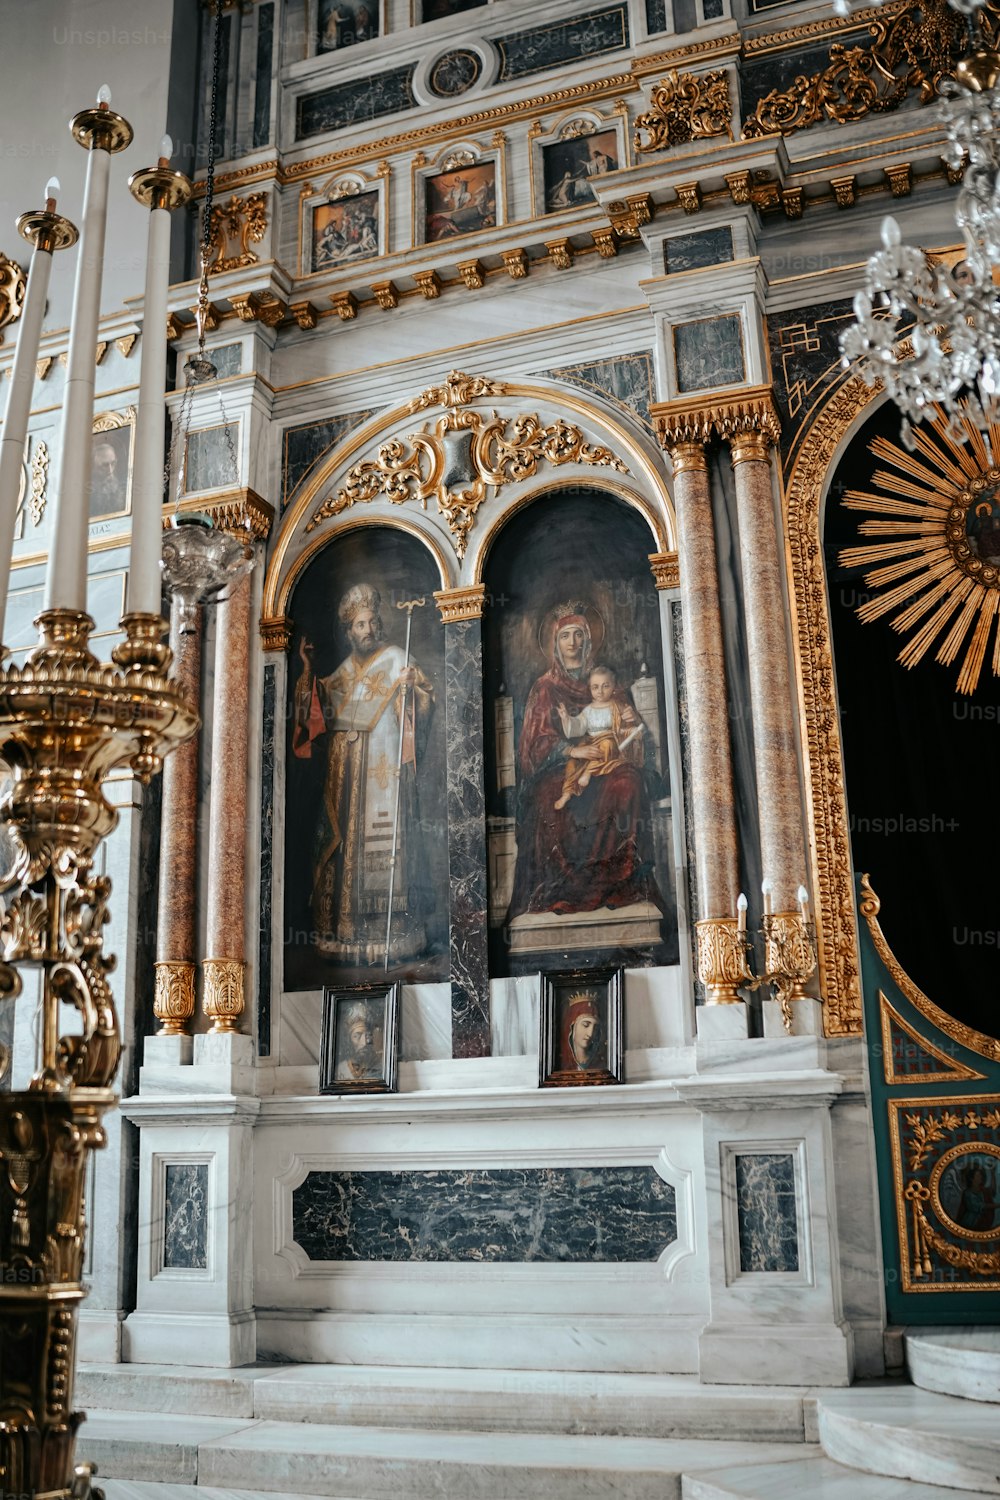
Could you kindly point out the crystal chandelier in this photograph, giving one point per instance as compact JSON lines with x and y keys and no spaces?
{"x":930,"y":333}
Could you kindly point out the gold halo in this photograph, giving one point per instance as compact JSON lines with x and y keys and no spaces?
{"x":547,"y":628}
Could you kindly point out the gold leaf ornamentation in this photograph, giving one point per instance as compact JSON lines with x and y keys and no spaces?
{"x":685,"y":107}
{"x":13,"y":285}
{"x":911,"y":51}
{"x":235,"y":226}
{"x":39,"y":477}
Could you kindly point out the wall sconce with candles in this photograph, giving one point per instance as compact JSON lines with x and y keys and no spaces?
{"x":66,"y":720}
{"x":788,"y":942}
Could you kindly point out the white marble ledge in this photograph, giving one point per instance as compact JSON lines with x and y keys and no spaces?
{"x":221,"y":1109}
{"x":735,"y":1091}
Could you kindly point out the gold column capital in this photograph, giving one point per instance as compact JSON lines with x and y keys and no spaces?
{"x":241,"y":511}
{"x":687,"y":457}
{"x":222,"y":999}
{"x":747,"y":413}
{"x":173,"y":998}
{"x":276,"y":632}
{"x":461,"y":604}
{"x":666,"y":569}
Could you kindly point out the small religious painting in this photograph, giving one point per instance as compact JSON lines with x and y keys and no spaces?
{"x":111,"y":464}
{"x":210,"y":458}
{"x":461,"y":201}
{"x":708,"y":353}
{"x":434,"y":10}
{"x":571,"y":165}
{"x":359,"y":1040}
{"x":342,"y":23}
{"x":579,"y":812}
{"x":982,"y":525}
{"x":345,"y":231}
{"x":580,"y":1028}
{"x":454,"y":72}
{"x":366,"y":852}
{"x":965,"y":1186}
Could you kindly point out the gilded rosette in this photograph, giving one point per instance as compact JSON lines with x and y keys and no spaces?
{"x":722,"y":959}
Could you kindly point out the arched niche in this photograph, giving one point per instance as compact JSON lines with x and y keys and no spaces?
{"x":916,"y":748}
{"x":589,"y":881}
{"x":360,"y":784}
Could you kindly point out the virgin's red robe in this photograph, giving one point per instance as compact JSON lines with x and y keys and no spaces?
{"x":598,"y":850}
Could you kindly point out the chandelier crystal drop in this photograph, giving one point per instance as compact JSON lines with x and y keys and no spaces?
{"x":928,"y":332}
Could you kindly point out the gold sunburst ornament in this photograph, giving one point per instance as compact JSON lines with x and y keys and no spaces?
{"x":934,"y":553}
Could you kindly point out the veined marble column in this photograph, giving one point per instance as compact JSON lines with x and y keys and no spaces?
{"x":173,"y":1004}
{"x":222,"y":969}
{"x":462,"y":610}
{"x":779,"y":797}
{"x":713,"y":803}
{"x":721,"y":956}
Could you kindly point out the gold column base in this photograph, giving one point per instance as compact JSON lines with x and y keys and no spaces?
{"x":222,"y":998}
{"x":173,"y":1001}
{"x":722,"y":959}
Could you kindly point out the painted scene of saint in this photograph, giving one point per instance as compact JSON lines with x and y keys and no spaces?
{"x":461,"y":201}
{"x":969,"y":1191}
{"x":342,"y":23}
{"x":571,"y":166}
{"x":110,"y":470}
{"x":344,"y":231}
{"x":366,"y":831}
{"x":578,"y":798}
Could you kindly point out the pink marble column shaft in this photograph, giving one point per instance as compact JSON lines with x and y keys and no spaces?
{"x":713,"y":804}
{"x":779,"y":797}
{"x":176,"y":907}
{"x":225,"y":940}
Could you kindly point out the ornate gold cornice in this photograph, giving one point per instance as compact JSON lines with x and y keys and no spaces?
{"x":173,"y":997}
{"x":240,"y":511}
{"x":976,"y":1041}
{"x":790,"y":37}
{"x":685,"y":107}
{"x":408,"y":140}
{"x":703,"y":51}
{"x":276,"y":632}
{"x":695,"y":419}
{"x":461,"y":604}
{"x":666,"y":568}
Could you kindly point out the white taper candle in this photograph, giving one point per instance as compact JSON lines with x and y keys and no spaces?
{"x":22,"y":384}
{"x":66,"y":576}
{"x":144,"y":583}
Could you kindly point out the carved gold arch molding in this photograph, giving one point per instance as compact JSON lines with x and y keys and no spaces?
{"x":457,"y":445}
{"x":830,"y":427}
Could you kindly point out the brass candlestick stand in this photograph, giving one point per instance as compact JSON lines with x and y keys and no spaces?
{"x":66,"y":721}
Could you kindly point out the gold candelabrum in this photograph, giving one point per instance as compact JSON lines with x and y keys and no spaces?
{"x":725,"y":950}
{"x":66,"y":721}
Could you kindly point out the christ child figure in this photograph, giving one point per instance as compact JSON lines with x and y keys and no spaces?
{"x":600,"y":732}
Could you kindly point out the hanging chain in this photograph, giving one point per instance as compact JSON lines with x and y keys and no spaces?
{"x":213,"y":127}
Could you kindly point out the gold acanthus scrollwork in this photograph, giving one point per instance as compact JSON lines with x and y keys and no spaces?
{"x":722,"y":959}
{"x":685,"y":107}
{"x":222,"y":998}
{"x":911,"y":51}
{"x":239,"y":222}
{"x":13,"y":284}
{"x":173,"y":997}
{"x":458,"y":458}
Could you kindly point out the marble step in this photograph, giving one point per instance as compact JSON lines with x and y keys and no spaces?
{"x":908,"y":1433}
{"x":814,"y":1477}
{"x":956,"y":1361}
{"x":343,"y":1463}
{"x":128,"y":1489}
{"x":663,"y":1406}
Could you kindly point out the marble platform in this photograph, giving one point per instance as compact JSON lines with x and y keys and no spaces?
{"x":512,"y":1401}
{"x":956,"y":1361}
{"x":808,"y":1478}
{"x":908,"y":1433}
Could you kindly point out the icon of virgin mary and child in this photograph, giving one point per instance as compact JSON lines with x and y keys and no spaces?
{"x":584,"y":839}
